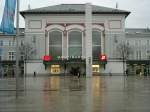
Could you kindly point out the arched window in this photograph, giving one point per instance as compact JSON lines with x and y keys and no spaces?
{"x":75,"y":43}
{"x":96,"y":44}
{"x":55,"y":43}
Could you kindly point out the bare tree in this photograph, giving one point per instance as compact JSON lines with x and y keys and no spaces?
{"x":124,"y":51}
{"x":27,"y":51}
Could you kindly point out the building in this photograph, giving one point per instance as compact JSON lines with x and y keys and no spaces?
{"x":61,"y":32}
{"x":74,"y":36}
{"x":8,"y":52}
{"x":139,"y":59}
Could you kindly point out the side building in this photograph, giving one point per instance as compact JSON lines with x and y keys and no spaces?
{"x":138,"y":62}
{"x":8,"y":53}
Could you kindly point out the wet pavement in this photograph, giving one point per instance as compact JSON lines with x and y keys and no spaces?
{"x":70,"y":94}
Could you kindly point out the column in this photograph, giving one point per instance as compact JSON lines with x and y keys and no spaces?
{"x":102,"y":43}
{"x":88,"y":38}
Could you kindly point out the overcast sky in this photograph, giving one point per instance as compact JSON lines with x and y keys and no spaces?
{"x":139,"y":17}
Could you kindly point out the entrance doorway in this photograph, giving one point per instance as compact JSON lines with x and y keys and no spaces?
{"x":55,"y":69}
{"x":96,"y":69}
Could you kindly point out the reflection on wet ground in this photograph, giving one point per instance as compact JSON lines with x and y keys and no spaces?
{"x":70,"y":94}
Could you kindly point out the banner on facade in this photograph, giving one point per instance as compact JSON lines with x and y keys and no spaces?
{"x":7,"y":13}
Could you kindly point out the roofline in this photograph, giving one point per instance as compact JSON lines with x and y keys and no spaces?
{"x":65,"y":12}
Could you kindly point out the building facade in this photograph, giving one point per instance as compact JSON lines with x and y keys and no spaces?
{"x":139,"y":58}
{"x":62,"y":33}
{"x":74,"y":36}
{"x":8,"y":53}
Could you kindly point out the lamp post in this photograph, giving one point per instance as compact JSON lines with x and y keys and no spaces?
{"x":17,"y":49}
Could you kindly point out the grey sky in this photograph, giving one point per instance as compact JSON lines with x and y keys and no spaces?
{"x":139,"y":17}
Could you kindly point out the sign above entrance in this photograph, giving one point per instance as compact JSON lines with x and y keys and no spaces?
{"x":69,"y":57}
{"x":50,"y":58}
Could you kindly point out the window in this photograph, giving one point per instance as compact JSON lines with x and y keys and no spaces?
{"x":34,"y":39}
{"x":1,"y":54}
{"x":12,"y":43}
{"x":136,"y":43}
{"x":75,"y":43}
{"x":137,"y":55}
{"x":1,"y":42}
{"x":148,"y":54}
{"x":11,"y":55}
{"x":5,"y":43}
{"x":148,"y":42}
{"x":22,"y":55}
{"x":1,"y":51}
{"x":140,"y":55}
{"x":55,"y":44}
{"x":128,"y":42}
{"x":140,"y":43}
{"x":9,"y":43}
{"x":96,"y":44}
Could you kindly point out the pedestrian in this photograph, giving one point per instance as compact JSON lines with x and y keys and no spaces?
{"x":127,"y":72}
{"x":78,"y":74}
{"x":140,"y":73}
{"x":34,"y":74}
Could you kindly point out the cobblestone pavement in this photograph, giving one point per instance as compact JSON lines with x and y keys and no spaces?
{"x":70,"y":94}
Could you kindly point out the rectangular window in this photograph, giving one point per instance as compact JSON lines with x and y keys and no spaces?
{"x":1,"y":53}
{"x":148,"y":54}
{"x":140,"y":55}
{"x":148,"y":42}
{"x":136,"y":43}
{"x":5,"y":43}
{"x":22,"y":57}
{"x":11,"y":55}
{"x":12,"y":43}
{"x":1,"y":42}
{"x":96,"y":50}
{"x":140,"y":43}
{"x":9,"y":43}
{"x":128,"y":42}
{"x":96,"y":44}
{"x":137,"y":55}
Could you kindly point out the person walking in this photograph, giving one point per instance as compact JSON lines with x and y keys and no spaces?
{"x":78,"y":74}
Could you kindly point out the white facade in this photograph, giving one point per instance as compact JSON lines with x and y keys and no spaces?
{"x":38,"y":27}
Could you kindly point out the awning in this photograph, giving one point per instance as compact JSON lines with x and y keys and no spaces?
{"x":63,"y":62}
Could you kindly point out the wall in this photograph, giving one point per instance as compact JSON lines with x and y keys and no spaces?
{"x":37,"y":66}
{"x":115,"y":67}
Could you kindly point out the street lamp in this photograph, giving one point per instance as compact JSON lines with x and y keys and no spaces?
{"x":17,"y":48}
